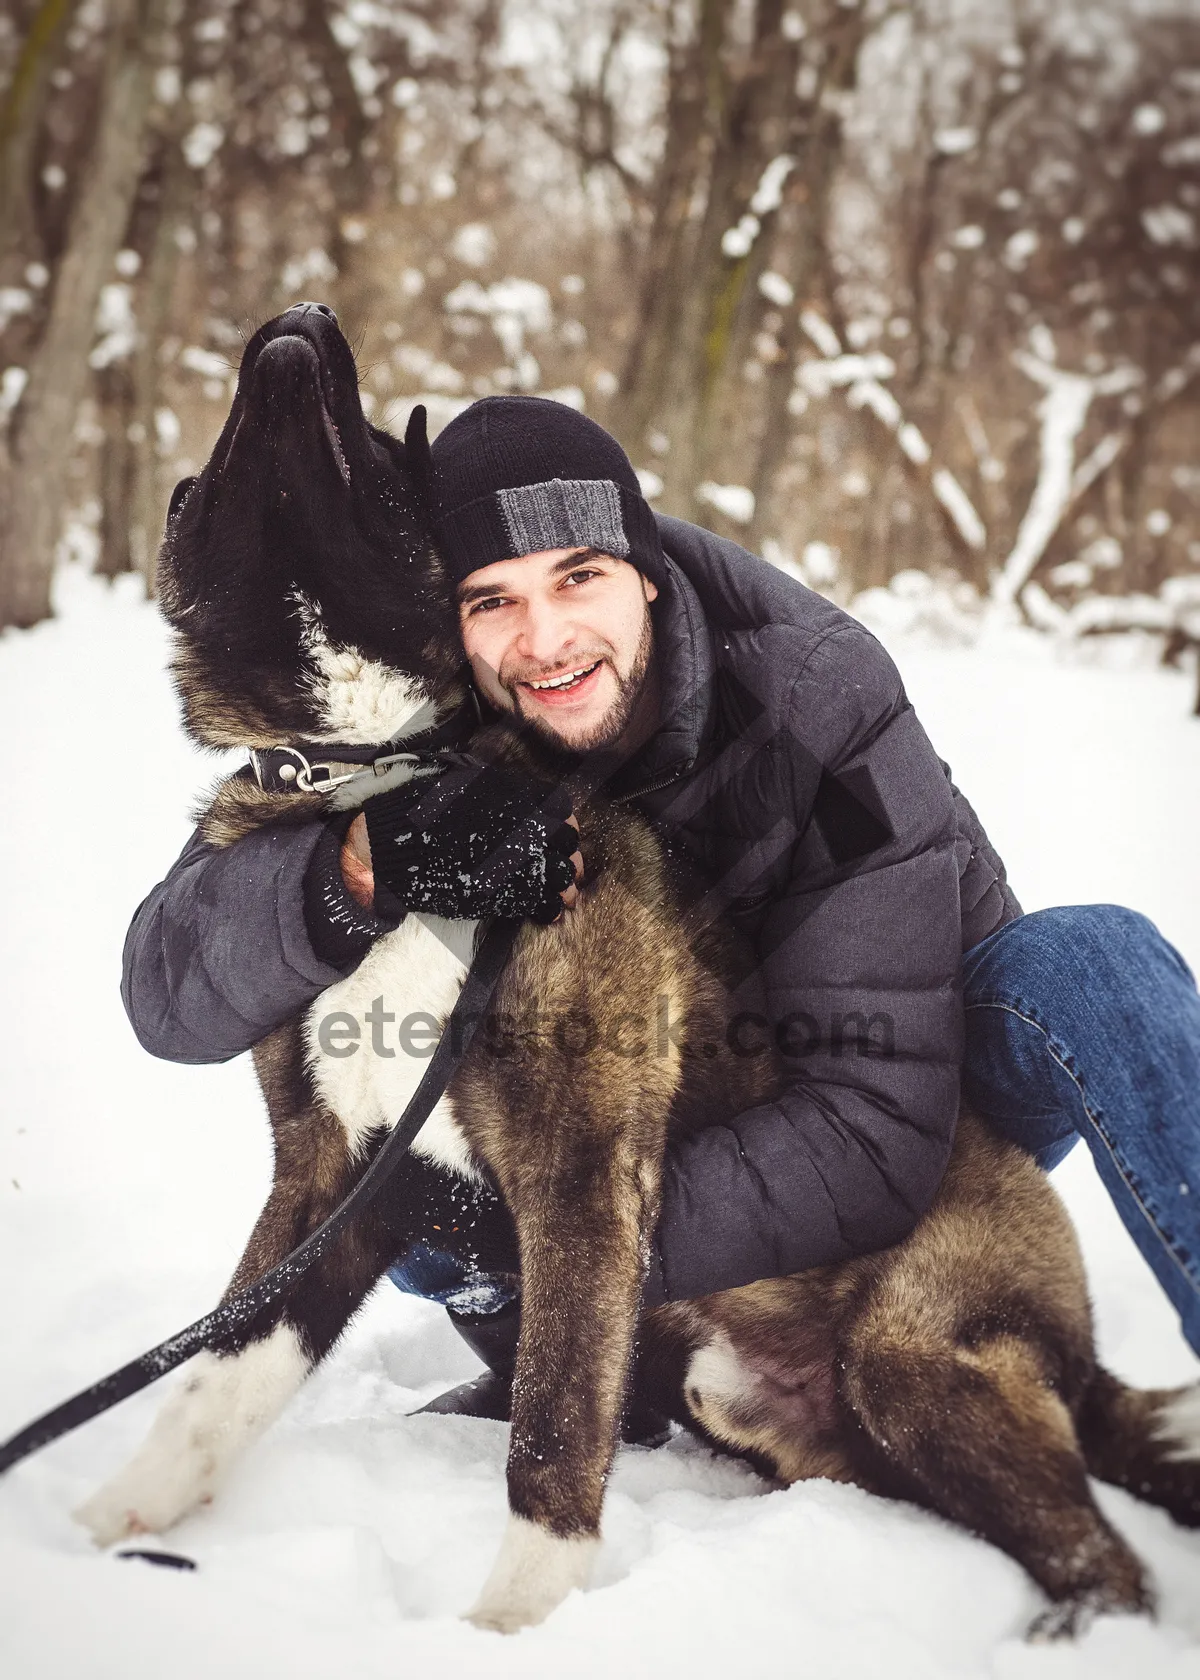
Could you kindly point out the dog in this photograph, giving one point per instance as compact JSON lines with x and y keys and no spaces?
{"x":956,"y":1369}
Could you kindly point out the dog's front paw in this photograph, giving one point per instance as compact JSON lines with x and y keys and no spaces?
{"x":533,"y":1573}
{"x":146,"y":1498}
{"x":106,"y":1519}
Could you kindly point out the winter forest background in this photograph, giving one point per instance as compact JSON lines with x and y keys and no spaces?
{"x":901,"y":295}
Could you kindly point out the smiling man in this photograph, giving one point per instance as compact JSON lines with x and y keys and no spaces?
{"x":767,"y":737}
{"x":564,"y":639}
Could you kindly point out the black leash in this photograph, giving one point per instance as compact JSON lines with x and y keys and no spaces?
{"x":468,"y":1011}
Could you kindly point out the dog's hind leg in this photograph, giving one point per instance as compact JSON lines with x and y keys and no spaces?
{"x":232,"y":1393}
{"x":978,"y":1434}
{"x":1146,"y":1441}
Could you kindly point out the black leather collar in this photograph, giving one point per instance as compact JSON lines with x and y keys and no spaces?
{"x":314,"y":766}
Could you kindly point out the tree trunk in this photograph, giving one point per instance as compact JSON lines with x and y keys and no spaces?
{"x":727,"y":118}
{"x":20,"y":120}
{"x":694,"y":78}
{"x":731,"y":111}
{"x":803,"y":254}
{"x":132,"y":494}
{"x":33,"y":477}
{"x":114,"y":389}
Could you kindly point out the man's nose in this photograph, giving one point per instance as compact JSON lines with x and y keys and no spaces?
{"x":545,"y":634}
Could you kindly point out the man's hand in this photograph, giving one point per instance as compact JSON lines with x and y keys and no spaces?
{"x":359,"y":874}
{"x":356,"y":864}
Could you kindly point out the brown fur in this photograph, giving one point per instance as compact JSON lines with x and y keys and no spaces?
{"x":239,"y":807}
{"x":220,"y":719}
{"x":950,"y":1370}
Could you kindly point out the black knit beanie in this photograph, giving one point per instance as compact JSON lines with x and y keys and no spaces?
{"x":516,"y":475}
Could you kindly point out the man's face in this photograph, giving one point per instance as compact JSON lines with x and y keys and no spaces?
{"x":563,"y":638}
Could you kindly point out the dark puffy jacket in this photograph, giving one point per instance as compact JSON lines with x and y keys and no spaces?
{"x":791,"y":766}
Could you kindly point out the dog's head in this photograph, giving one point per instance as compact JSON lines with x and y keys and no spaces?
{"x":297,"y":570}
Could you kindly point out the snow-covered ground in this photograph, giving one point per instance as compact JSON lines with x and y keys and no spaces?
{"x":351,"y":1538}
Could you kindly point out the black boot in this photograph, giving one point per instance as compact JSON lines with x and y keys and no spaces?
{"x":493,"y":1336}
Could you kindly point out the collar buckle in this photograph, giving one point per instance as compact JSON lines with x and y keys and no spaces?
{"x":288,"y":770}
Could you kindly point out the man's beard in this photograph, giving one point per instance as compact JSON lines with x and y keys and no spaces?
{"x":609,"y":729}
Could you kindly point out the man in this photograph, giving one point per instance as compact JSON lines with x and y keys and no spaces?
{"x":768,"y":738}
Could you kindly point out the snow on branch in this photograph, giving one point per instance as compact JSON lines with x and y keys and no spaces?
{"x":1113,"y":445}
{"x":1063,"y":412}
{"x":1175,"y":609}
{"x":860,"y":376}
{"x":768,"y":196}
{"x":960,"y":507}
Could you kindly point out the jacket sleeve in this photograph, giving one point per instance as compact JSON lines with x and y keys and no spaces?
{"x":222,"y":951}
{"x":860,"y":964}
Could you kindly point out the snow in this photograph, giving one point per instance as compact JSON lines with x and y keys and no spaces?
{"x":868,"y":393}
{"x":1020,"y":247}
{"x":768,"y":196}
{"x":116,"y":324}
{"x":736,"y":241}
{"x":735,"y":501}
{"x":1183,"y":152}
{"x":959,"y":506}
{"x":1169,"y":224}
{"x":953,"y":142}
{"x":202,"y":143}
{"x":1149,"y":119}
{"x":821,"y":333}
{"x":970,"y":237}
{"x":776,"y":289}
{"x":474,"y":244}
{"x":12,"y":385}
{"x":352,"y":1538}
{"x":14,"y":300}
{"x":912,"y":441}
{"x":818,"y":378}
{"x":167,"y":430}
{"x":1062,"y":412}
{"x":205,"y":362}
{"x":515,"y":307}
{"x":313,"y":264}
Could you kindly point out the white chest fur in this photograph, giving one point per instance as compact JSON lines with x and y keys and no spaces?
{"x":417,"y":971}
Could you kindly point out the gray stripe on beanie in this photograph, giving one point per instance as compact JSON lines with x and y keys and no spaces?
{"x":564,"y":513}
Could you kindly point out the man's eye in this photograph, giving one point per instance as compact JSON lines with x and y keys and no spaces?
{"x":486,"y":605}
{"x":582,"y":575}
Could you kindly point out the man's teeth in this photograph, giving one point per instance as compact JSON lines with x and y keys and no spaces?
{"x":567,"y":677}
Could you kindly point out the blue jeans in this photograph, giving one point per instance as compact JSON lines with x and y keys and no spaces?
{"x":1083,"y":1022}
{"x":436,"y":1275}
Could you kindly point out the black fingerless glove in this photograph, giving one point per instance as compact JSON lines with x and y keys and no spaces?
{"x":472,"y":841}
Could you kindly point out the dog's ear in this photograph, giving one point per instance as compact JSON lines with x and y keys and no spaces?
{"x":179,"y":495}
{"x":417,"y":453}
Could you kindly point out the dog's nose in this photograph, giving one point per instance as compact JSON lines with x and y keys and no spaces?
{"x":321,"y":309}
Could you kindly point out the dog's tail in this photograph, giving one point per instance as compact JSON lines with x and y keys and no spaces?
{"x":1146,"y":1441}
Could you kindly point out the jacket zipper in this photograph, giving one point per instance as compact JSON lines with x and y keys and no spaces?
{"x":653,"y":787}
